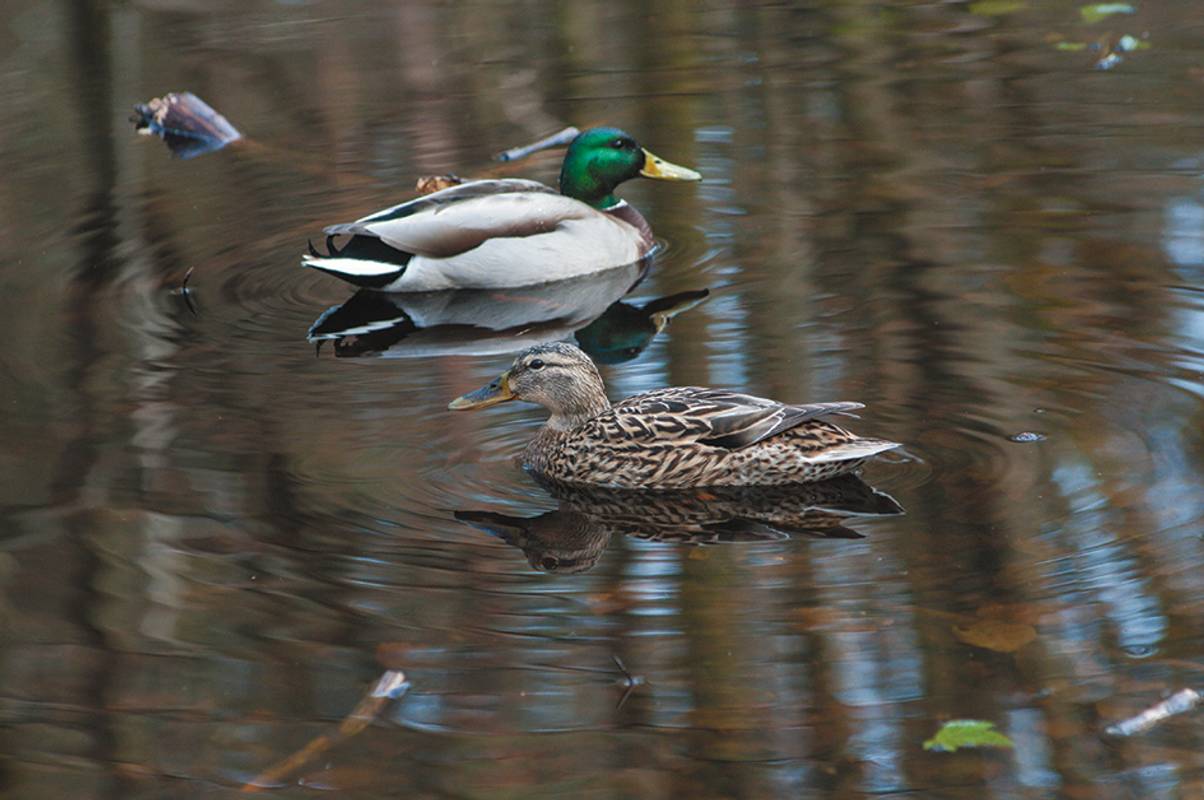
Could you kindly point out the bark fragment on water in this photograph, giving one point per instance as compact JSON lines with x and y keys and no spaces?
{"x":187,"y":124}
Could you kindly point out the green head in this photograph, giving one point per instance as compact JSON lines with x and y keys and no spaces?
{"x":599,"y":159}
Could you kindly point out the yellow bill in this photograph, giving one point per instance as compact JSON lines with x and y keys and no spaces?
{"x":656,"y":167}
{"x":492,"y":393}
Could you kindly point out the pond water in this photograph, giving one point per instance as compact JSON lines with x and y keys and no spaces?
{"x":213,"y":541}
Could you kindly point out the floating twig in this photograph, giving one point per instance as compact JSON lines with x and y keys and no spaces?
{"x":186,"y":293}
{"x":392,"y":685}
{"x":1178,"y":703}
{"x":559,"y":139}
{"x":630,"y":681}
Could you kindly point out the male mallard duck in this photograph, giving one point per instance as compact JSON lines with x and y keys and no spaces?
{"x":669,"y":438}
{"x":492,"y":234}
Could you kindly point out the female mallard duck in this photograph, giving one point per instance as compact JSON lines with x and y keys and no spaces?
{"x":492,"y":234}
{"x":670,"y":438}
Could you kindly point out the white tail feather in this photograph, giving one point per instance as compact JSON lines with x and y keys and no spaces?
{"x":353,"y":267}
{"x":858,"y":448}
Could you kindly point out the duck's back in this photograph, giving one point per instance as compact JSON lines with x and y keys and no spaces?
{"x":692,"y":436}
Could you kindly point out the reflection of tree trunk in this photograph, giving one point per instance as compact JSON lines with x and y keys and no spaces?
{"x":97,"y":266}
{"x":931,"y":368}
{"x":662,"y":71}
{"x":97,"y":229}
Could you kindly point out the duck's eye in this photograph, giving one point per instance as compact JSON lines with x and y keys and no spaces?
{"x":618,"y":144}
{"x":536,"y":363}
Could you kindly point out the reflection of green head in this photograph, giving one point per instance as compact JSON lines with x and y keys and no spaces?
{"x":599,"y":159}
{"x":618,"y":335}
{"x":624,"y":330}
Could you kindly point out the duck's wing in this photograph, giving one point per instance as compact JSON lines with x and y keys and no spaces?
{"x":716,"y":417}
{"x":452,"y":194}
{"x":460,"y":218}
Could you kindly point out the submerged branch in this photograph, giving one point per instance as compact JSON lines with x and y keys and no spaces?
{"x":391,"y":686}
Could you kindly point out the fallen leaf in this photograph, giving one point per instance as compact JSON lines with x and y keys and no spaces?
{"x":434,"y":183}
{"x":958,"y":733}
{"x":993,"y":634}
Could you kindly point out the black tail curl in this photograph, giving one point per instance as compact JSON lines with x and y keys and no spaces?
{"x":364,"y":248}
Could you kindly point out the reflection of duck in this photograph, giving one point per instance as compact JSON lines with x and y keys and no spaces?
{"x":485,"y":322}
{"x":573,"y":537}
{"x":670,"y":438}
{"x":490,"y":234}
{"x":625,"y":329}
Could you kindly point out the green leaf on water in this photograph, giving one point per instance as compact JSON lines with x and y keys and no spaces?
{"x":1073,"y":47}
{"x":1100,"y":11}
{"x":958,"y":733}
{"x":997,"y":8}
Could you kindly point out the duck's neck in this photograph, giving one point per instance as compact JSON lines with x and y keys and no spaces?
{"x":635,"y":219}
{"x":567,"y":420}
{"x":580,"y":183}
{"x":541,"y":452}
{"x":576,"y":402}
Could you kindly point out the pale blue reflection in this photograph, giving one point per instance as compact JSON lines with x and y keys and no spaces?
{"x":1183,"y":236}
{"x":874,"y":671}
{"x":727,"y":341}
{"x":1104,"y":565}
{"x":1034,"y":757}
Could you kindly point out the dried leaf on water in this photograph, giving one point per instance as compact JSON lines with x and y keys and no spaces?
{"x":959,"y":733}
{"x":188,"y":125}
{"x":433,"y":183}
{"x":994,"y":634}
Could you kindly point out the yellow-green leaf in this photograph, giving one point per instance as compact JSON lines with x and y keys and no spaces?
{"x":1101,"y":11}
{"x":958,"y":733}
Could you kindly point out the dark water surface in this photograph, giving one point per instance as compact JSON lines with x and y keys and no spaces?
{"x":212,"y":542}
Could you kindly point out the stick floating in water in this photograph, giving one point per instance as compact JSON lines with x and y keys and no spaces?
{"x":1178,"y":703}
{"x":560,"y":139}
{"x":188,"y":125}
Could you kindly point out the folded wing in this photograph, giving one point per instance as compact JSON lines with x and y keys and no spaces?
{"x":460,"y":218}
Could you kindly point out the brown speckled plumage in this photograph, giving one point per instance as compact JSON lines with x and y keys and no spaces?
{"x":671,"y":438}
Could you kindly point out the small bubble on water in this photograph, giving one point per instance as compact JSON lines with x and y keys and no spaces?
{"x":1027,"y":436}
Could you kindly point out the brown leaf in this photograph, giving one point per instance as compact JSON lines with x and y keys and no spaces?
{"x":433,"y":183}
{"x":993,"y":634}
